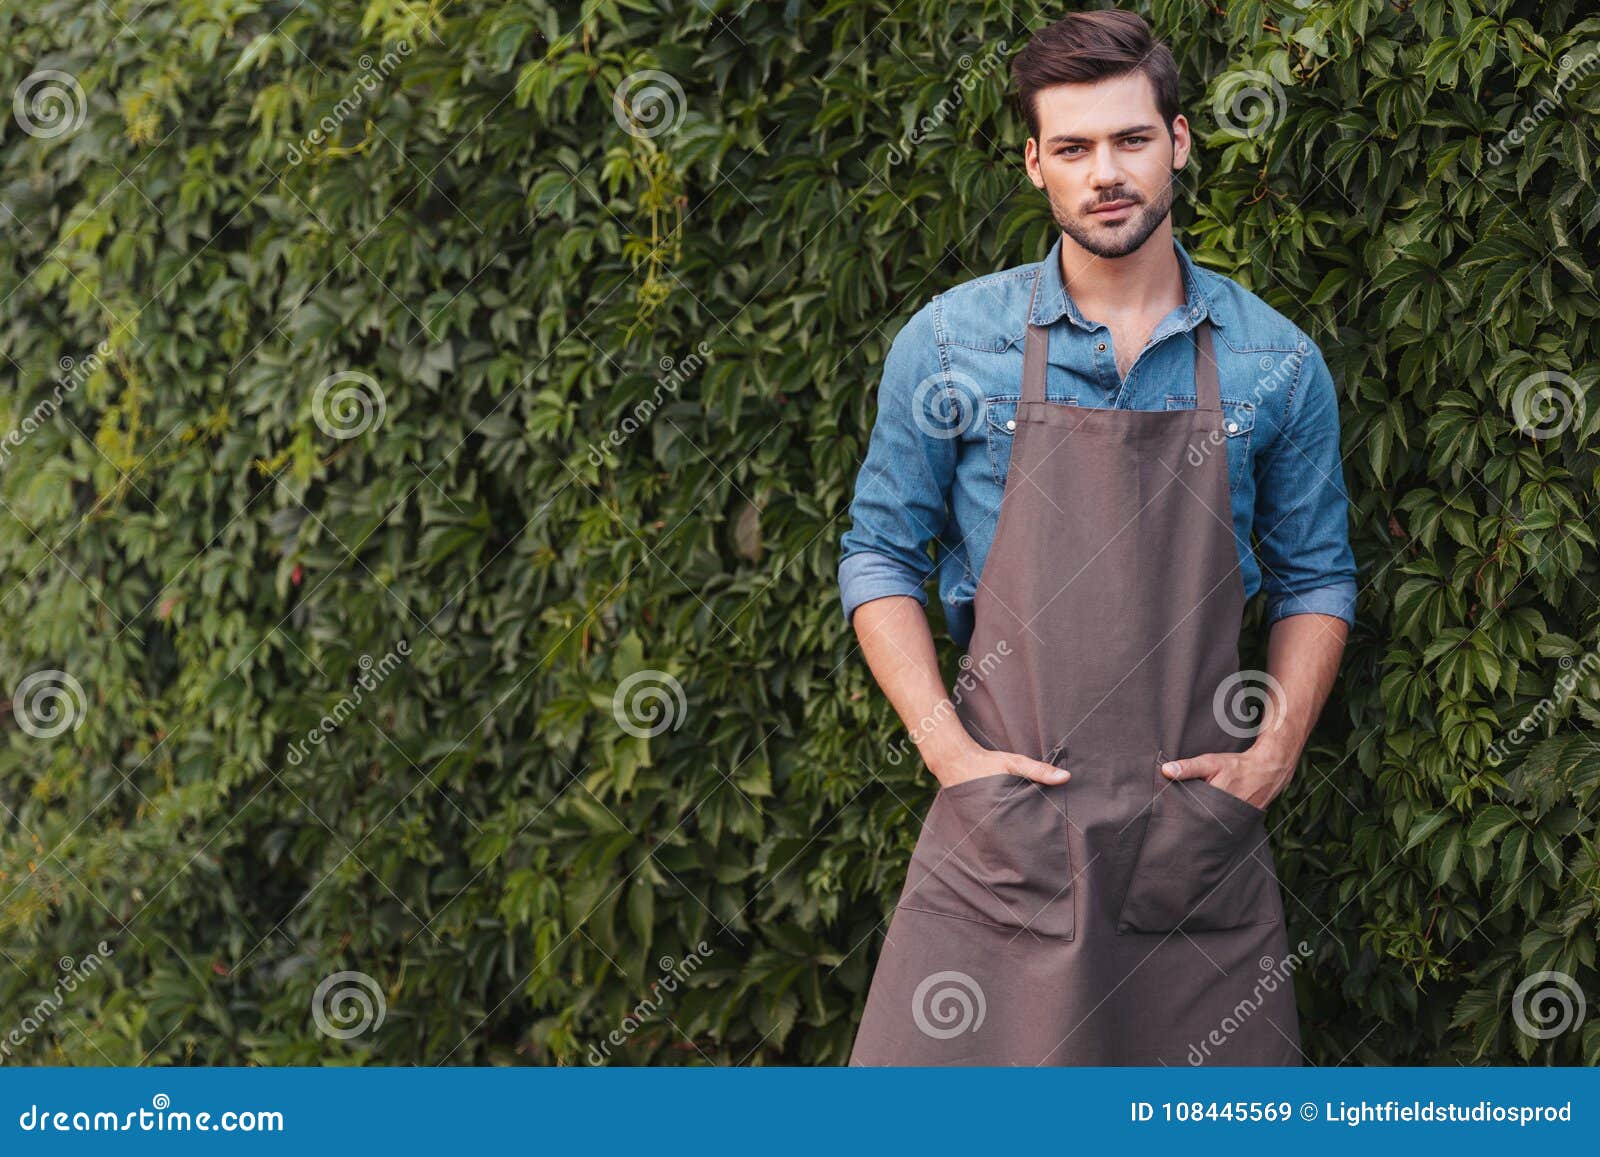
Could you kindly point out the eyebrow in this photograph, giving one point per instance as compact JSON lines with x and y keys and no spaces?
{"x":1069,"y":139}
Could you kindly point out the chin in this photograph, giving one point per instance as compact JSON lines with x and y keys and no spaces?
{"x":1113,"y":240}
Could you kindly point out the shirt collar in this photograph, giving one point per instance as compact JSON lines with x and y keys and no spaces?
{"x":1054,"y":300}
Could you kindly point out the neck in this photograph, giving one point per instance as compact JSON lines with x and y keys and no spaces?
{"x":1148,"y":280}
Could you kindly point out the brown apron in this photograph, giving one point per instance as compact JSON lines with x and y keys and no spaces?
{"x":1121,"y":918}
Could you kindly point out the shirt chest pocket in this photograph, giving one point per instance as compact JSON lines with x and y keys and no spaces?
{"x":1000,"y":430}
{"x":1238,"y":420}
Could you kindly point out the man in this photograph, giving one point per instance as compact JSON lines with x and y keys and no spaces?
{"x":1090,"y":441}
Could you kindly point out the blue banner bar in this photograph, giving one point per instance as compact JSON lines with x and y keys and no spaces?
{"x":812,"y":1111}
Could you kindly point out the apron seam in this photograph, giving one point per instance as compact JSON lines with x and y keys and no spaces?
{"x":1017,"y":928}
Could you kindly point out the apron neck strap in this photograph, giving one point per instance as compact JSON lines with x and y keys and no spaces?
{"x":1036,"y":352}
{"x":1207,"y":394}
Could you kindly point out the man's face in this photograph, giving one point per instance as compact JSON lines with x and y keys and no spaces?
{"x":1105,"y":159}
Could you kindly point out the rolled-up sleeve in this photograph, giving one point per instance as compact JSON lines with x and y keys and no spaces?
{"x":1302,"y":507}
{"x":902,"y":488}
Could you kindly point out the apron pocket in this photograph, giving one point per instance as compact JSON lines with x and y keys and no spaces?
{"x":1199,"y":867}
{"x":994,"y":850}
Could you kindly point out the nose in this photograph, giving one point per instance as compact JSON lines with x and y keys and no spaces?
{"x":1106,"y":171}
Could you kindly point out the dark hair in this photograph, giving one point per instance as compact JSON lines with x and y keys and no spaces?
{"x":1090,"y":46}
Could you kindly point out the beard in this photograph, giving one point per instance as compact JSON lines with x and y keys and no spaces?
{"x":1123,"y":237}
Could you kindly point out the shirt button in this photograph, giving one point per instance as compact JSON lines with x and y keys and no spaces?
{"x":1101,"y":347}
{"x":1011,"y":423}
{"x":1233,"y":427}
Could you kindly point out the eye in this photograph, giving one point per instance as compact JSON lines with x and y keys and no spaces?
{"x":1134,"y":140}
{"x":1068,"y":150}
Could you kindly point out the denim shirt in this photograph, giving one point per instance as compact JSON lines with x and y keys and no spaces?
{"x":936,"y":464}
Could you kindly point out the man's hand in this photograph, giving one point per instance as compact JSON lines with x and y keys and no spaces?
{"x":1302,"y":658}
{"x":1255,"y":776}
{"x":981,"y":761}
{"x":899,"y":648}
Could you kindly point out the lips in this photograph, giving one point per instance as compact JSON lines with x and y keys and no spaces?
{"x":1111,"y":206}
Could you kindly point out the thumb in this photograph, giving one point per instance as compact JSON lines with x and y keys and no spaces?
{"x":1195,"y":767}
{"x":1041,"y":772}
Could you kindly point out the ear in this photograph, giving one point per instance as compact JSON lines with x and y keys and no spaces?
{"x":1030,"y":163}
{"x":1181,"y":141}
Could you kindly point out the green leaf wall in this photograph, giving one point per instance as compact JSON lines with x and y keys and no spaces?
{"x":617,"y":386}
